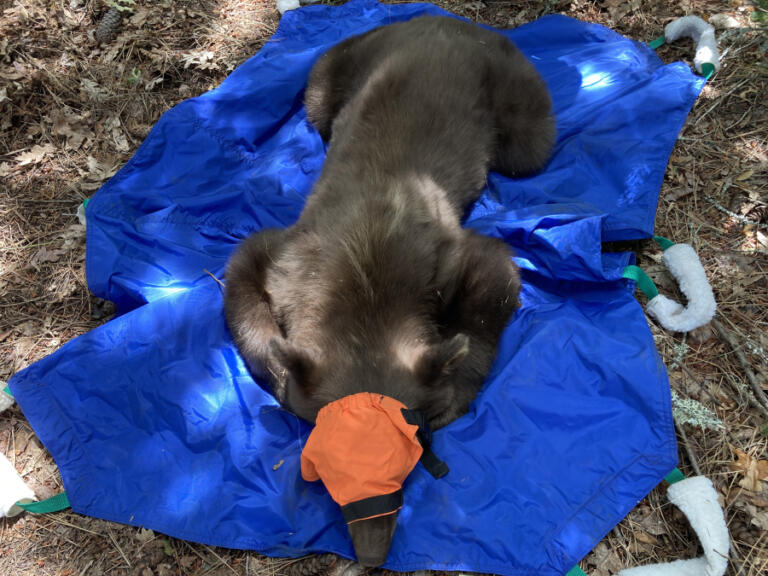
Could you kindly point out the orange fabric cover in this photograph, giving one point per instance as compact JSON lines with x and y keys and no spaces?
{"x":361,"y":447}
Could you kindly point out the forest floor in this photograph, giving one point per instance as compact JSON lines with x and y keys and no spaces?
{"x":72,"y":111}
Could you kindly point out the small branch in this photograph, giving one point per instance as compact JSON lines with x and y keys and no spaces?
{"x":743,"y":219}
{"x":688,"y":449}
{"x":214,"y":277}
{"x":117,"y":546}
{"x":221,"y":559}
{"x":758,"y":391}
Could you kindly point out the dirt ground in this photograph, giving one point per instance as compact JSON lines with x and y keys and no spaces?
{"x":72,"y":111}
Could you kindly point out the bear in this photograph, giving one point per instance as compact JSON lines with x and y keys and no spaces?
{"x":377,"y":287}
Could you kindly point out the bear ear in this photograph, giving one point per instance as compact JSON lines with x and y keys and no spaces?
{"x":295,"y":362}
{"x":442,"y":359}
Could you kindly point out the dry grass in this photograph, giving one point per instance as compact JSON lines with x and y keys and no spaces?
{"x":71,"y":112}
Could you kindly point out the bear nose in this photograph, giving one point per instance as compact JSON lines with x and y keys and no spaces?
{"x":372,"y":538}
{"x":371,"y":561}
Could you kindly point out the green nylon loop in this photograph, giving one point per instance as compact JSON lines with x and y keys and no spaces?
{"x":645,"y":284}
{"x":674,"y":476}
{"x":85,"y":202}
{"x":663,"y":242}
{"x":576,"y":571}
{"x":7,"y":390}
{"x":657,"y":43}
{"x":53,"y":504}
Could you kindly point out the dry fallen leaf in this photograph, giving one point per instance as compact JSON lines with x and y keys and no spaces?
{"x":646,"y":538}
{"x":144,"y":535}
{"x":22,"y":350}
{"x":73,"y":130}
{"x":617,"y":9}
{"x":120,"y":141}
{"x":606,"y":560}
{"x":35,"y":155}
{"x":753,"y":470}
{"x":101,"y":170}
{"x":73,"y":236}
{"x":93,"y":91}
{"x":139,"y":17}
{"x":97,"y":173}
{"x":45,"y":255}
{"x":757,"y":516}
{"x":114,"y":126}
{"x":201,"y":59}
{"x":653,"y":523}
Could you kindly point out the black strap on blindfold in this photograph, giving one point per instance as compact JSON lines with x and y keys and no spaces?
{"x":432,"y":463}
{"x":373,"y":506}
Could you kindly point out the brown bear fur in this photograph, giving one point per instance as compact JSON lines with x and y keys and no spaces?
{"x":377,"y":287}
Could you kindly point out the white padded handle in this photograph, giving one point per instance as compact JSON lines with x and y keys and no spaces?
{"x":284,"y":5}
{"x":12,"y":487}
{"x":684,"y":264}
{"x":703,"y":36}
{"x":697,"y":499}
{"x":6,"y":400}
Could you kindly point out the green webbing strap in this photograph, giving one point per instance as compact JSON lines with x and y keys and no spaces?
{"x":674,"y":476}
{"x":53,"y":504}
{"x":656,"y":44}
{"x":576,"y":571}
{"x":663,"y":242}
{"x":643,"y":282}
{"x":7,"y":390}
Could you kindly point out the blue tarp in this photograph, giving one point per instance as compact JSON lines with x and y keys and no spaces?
{"x":154,"y":421}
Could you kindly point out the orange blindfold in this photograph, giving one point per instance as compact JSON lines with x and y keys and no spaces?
{"x":363,"y":447}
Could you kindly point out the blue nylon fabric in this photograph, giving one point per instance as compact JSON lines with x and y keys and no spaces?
{"x":154,"y":421}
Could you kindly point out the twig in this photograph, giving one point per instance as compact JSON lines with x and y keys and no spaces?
{"x":221,"y":560}
{"x":214,"y":277}
{"x":114,"y":541}
{"x":735,"y":557}
{"x":758,"y":391}
{"x":721,"y":99}
{"x":739,"y":217}
{"x":46,"y":528}
{"x":688,"y":449}
{"x":87,"y":567}
{"x":57,"y":520}
{"x":623,"y":542}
